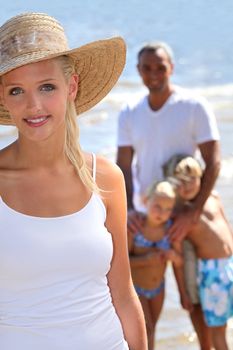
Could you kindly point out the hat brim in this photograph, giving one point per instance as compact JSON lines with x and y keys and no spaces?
{"x":98,"y":65}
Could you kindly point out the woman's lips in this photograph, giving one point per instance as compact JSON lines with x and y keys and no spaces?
{"x":37,"y":121}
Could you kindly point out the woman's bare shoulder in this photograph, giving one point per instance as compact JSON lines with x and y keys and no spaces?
{"x":108,"y":174}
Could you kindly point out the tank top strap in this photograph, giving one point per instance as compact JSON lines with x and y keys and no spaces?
{"x":93,"y":166}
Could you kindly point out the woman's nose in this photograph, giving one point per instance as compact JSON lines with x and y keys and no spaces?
{"x":33,"y":102}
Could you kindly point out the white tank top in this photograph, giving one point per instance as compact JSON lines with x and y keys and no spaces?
{"x":54,"y":293}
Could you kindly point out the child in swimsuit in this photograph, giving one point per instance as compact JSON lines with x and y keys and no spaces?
{"x":149,"y":251}
{"x":212,"y":238}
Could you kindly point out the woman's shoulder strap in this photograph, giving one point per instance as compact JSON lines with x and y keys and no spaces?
{"x":93,"y":166}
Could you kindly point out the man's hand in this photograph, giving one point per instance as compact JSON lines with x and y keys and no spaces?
{"x":183,"y":222}
{"x":135,"y":221}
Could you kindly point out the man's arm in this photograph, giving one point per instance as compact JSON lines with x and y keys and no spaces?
{"x":210,"y":152}
{"x":124,"y":161}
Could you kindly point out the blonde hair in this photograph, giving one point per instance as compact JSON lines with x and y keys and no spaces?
{"x":188,"y":167}
{"x":161,"y":188}
{"x":72,"y":146}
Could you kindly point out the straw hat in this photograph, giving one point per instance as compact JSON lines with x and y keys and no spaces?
{"x":33,"y":37}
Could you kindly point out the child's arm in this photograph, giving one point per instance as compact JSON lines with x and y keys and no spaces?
{"x":149,"y":258}
{"x":145,"y":260}
{"x":175,"y":254}
{"x":184,"y":297}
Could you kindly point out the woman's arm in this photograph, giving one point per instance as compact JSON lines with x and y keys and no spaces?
{"x":124,"y":297}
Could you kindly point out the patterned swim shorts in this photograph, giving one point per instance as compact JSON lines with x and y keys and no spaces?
{"x":215,"y":280}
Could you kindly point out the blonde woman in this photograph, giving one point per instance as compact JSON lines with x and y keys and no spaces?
{"x":64,"y":272}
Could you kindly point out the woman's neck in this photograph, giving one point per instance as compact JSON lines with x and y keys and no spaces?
{"x":41,"y":154}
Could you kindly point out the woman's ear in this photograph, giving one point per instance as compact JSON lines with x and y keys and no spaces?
{"x":73,"y":87}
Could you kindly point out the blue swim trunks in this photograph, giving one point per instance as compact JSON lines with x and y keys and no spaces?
{"x":215,"y":281}
{"x":150,"y":293}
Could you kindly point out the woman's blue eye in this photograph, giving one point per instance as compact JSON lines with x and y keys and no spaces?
{"x":16,"y":91}
{"x":47,"y":87}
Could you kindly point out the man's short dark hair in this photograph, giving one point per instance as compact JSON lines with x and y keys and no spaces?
{"x":154,"y":46}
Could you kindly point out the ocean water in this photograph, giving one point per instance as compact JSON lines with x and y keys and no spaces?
{"x":201,"y":35}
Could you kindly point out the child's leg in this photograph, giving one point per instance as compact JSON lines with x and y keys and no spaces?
{"x":202,"y":330}
{"x":152,"y":309}
{"x":197,"y":318}
{"x":219,"y":337}
{"x":156,"y":305}
{"x":148,"y":320}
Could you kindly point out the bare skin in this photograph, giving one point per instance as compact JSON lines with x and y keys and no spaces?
{"x":152,"y":309}
{"x":213,"y":227}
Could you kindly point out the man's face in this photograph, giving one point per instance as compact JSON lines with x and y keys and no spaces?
{"x":155,"y":69}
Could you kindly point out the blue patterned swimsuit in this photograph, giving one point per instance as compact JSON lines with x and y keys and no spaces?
{"x":163,"y":244}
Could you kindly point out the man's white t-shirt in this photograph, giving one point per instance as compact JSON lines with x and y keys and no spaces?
{"x":183,"y":122}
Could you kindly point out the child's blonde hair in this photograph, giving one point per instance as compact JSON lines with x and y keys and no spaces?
{"x":72,"y":146}
{"x":188,"y":167}
{"x":181,"y":165}
{"x":161,"y":188}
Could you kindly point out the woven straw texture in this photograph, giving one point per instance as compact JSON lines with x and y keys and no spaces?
{"x":35,"y":37}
